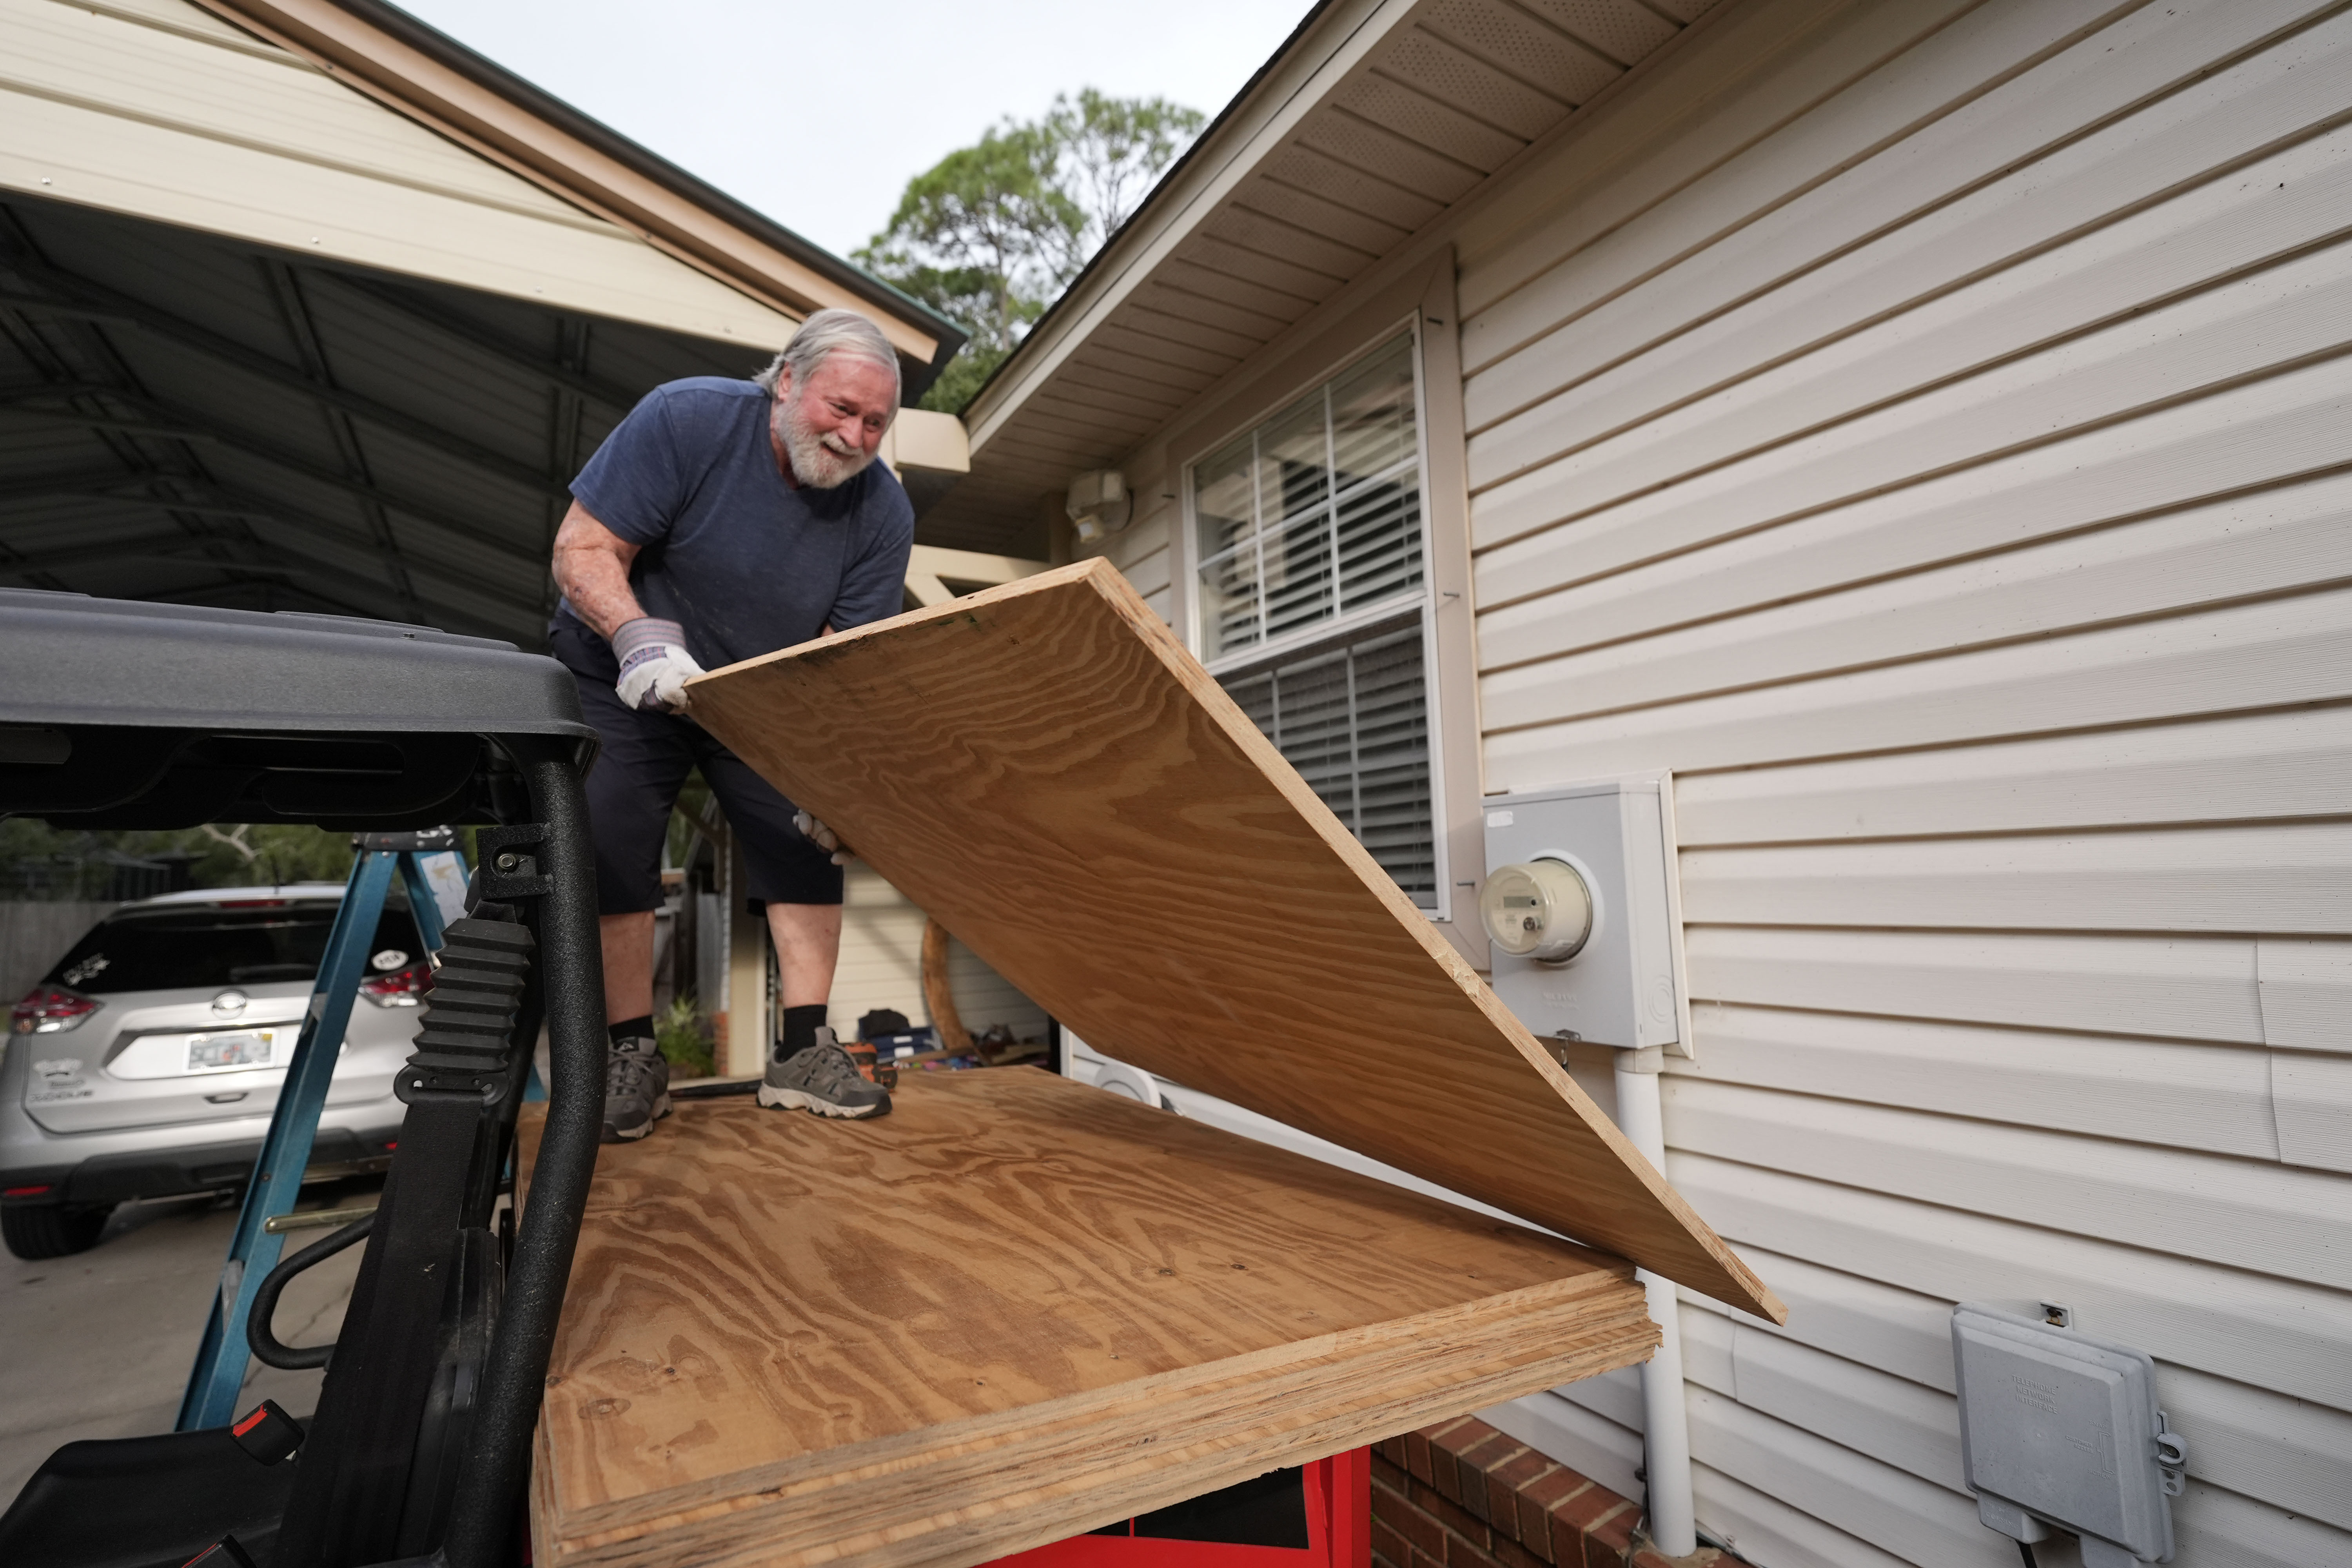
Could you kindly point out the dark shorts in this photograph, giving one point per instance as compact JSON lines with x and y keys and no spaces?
{"x":634,"y":784}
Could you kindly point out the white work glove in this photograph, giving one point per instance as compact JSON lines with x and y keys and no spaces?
{"x":655,"y":665}
{"x":823,"y":837}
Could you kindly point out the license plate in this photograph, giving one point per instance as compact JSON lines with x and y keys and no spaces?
{"x":249,"y":1049}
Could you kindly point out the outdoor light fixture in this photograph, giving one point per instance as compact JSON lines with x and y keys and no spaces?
{"x":1099,"y":504}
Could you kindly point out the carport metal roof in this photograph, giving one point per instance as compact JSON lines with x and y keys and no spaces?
{"x":267,"y":341}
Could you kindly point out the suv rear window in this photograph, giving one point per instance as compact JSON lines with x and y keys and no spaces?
{"x":205,"y":945}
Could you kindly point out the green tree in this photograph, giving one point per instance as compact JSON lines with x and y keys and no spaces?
{"x":992,"y":232}
{"x":1114,"y":149}
{"x":985,"y":237}
{"x":976,"y":298}
{"x":38,"y":861}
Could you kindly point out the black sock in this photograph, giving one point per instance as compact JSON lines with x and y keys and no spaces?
{"x":801,"y":1025}
{"x":632,"y":1029}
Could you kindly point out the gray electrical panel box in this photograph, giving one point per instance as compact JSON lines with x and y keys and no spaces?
{"x":2059,"y":1428}
{"x":1598,"y":960}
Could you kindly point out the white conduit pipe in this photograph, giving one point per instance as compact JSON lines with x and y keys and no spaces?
{"x":1665,"y":1422}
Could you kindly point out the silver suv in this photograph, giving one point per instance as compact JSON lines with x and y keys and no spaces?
{"x":146,"y":1064}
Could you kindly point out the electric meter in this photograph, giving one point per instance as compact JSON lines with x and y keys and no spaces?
{"x":1537,"y":908}
{"x":1581,"y":871}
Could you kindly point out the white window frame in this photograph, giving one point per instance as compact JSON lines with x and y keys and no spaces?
{"x":1422,"y":601}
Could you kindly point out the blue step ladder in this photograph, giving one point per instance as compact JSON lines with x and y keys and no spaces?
{"x":434,"y":873}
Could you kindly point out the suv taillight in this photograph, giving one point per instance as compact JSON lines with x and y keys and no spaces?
{"x":50,"y":1010}
{"x":401,"y":988}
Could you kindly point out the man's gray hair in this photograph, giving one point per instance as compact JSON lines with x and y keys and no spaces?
{"x":823,"y":335}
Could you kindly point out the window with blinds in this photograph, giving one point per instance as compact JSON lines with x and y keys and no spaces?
{"x":1315,"y":514}
{"x":1313,"y":521}
{"x":1351,"y":714}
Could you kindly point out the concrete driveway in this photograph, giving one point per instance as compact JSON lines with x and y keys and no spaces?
{"x":100,"y":1345}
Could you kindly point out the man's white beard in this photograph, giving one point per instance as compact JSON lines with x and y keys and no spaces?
{"x":822,"y":462}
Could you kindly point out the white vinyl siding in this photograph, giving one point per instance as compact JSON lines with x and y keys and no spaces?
{"x":1921,"y":427}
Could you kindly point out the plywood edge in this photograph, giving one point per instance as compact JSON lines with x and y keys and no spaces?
{"x":1709,"y":1267}
{"x":878,"y":1534}
{"x":540,"y":1500}
{"x":1042,"y":582}
{"x":889,"y":1503}
{"x":1593,"y":1295}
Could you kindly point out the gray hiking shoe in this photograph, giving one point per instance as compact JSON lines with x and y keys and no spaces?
{"x":636,"y":1089}
{"x":824,"y":1079}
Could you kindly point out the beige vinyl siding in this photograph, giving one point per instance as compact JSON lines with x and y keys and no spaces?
{"x":1922,"y":429}
{"x":1145,"y":552}
{"x":882,"y":966}
{"x":158,"y":109}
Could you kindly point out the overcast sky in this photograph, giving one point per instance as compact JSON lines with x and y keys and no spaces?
{"x":818,"y":114}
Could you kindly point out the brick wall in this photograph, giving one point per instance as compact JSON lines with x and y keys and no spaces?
{"x":1462,"y":1495}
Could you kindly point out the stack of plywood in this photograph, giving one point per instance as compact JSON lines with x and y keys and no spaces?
{"x":1017,"y":1309}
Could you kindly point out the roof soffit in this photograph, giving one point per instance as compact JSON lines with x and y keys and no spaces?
{"x":1380,"y":126}
{"x":1290,"y":92}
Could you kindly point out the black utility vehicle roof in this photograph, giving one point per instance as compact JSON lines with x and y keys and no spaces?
{"x":120,"y":713}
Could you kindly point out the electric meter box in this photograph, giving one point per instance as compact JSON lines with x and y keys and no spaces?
{"x":1622,"y":985}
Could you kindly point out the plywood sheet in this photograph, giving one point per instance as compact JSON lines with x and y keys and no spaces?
{"x":1014,"y":1309}
{"x":1050,"y":773}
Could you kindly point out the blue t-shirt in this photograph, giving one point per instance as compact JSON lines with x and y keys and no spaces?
{"x":742,"y":560}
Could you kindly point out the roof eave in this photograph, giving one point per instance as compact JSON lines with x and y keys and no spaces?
{"x":430,"y":76}
{"x":1112,"y":244}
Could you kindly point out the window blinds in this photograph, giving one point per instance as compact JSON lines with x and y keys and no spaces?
{"x":1315,"y":514}
{"x":1352,"y":716}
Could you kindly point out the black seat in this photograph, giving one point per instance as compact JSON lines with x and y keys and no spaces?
{"x":166,"y":716}
{"x":145,"y":1502}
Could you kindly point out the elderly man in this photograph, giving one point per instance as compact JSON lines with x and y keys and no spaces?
{"x":720,"y":521}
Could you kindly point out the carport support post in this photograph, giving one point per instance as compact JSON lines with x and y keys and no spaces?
{"x":219,"y":1374}
{"x":748,"y":1010}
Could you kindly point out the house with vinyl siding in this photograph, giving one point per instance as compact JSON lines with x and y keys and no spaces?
{"x":1919,"y":429}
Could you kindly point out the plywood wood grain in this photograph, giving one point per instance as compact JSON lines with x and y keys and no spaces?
{"x":1016,"y":1309}
{"x":1049,"y":772}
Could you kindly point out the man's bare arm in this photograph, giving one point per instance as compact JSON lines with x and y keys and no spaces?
{"x":591,"y":568}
